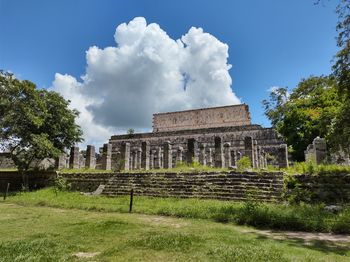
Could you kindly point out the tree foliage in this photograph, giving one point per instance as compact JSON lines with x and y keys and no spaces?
{"x":319,"y":106}
{"x":34,"y":123}
{"x":305,"y":113}
{"x":341,"y":71}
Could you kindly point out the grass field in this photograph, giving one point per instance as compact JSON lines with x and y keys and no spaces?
{"x":312,"y":218}
{"x":32,"y":233}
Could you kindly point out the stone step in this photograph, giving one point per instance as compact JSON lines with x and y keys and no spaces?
{"x":219,"y":197}
{"x":236,"y":182}
{"x":208,"y":190}
{"x":206,"y":178}
{"x":183,"y":192}
{"x":225,"y":187}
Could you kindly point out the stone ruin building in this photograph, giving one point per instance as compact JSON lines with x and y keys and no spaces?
{"x":317,"y":153}
{"x":216,"y":137}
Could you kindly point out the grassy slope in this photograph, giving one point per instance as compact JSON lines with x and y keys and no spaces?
{"x":275,"y":216}
{"x":51,"y":234}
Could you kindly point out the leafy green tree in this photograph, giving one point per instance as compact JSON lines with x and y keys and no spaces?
{"x":308,"y":111}
{"x":130,"y":131}
{"x":34,"y":123}
{"x":341,"y":70}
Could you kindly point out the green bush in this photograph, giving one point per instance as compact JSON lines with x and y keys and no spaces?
{"x":61,"y":184}
{"x":244,"y":163}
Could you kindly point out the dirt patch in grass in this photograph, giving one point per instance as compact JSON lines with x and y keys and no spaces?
{"x":305,"y":236}
{"x":162,"y":221}
{"x":86,"y":254}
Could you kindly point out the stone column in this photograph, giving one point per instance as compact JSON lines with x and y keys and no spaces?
{"x":90,"y":161}
{"x":106,"y":157}
{"x":259,"y":157}
{"x":320,"y":147}
{"x":255,"y":151}
{"x":61,"y":161}
{"x":233,"y":158}
{"x":138,"y":157}
{"x":179,"y":155}
{"x":209,"y":157}
{"x":161,"y":157}
{"x":283,"y":156}
{"x":133,"y":160}
{"x":219,"y":156}
{"x":81,"y":161}
{"x":74,"y":157}
{"x":195,"y":152}
{"x":202,"y":156}
{"x":157,"y":159}
{"x":249,"y":148}
{"x":151,"y":159}
{"x":264,"y":159}
{"x":227,"y":155}
{"x":145,"y":157}
{"x":168,"y":157}
{"x":125,"y":156}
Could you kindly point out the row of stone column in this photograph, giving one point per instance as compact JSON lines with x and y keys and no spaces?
{"x":90,"y":159}
{"x":258,"y":156}
{"x":222,"y":155}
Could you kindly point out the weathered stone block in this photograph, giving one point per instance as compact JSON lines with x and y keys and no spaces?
{"x":90,"y":161}
{"x":74,"y":157}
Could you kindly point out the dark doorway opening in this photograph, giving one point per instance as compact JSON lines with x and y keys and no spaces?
{"x":190,"y":150}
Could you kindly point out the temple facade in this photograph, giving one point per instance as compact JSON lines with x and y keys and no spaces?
{"x":216,"y":137}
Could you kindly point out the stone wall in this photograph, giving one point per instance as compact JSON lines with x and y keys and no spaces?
{"x":35,"y":180}
{"x":207,"y":146}
{"x":87,"y":182}
{"x":234,"y":115}
{"x":212,"y":185}
{"x":327,"y":188}
{"x":317,"y":151}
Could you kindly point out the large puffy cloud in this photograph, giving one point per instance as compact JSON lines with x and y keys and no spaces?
{"x":147,"y":72}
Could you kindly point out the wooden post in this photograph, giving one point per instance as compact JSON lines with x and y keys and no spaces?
{"x":131,"y":199}
{"x":6,"y":191}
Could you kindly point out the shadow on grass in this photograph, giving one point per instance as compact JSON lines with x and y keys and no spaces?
{"x":325,"y":246}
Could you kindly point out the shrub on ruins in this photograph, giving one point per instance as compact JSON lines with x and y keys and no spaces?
{"x":244,"y":163}
{"x":34,"y":123}
{"x":61,"y":184}
{"x":308,"y":111}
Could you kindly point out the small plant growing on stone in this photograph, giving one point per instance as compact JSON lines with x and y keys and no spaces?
{"x":130,"y":131}
{"x":180,"y":164}
{"x":61,"y":184}
{"x":244,"y":163}
{"x":195,"y":164}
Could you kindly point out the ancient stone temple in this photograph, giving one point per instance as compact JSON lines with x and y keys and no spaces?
{"x":216,"y":137}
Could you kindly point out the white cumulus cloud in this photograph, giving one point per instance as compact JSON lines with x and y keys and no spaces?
{"x":146,"y":72}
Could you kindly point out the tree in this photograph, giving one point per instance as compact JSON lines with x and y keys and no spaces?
{"x":130,"y":131}
{"x":34,"y":123}
{"x":307,"y":112}
{"x":341,"y":70}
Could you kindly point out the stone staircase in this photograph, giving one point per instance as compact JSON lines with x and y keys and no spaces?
{"x":265,"y":186}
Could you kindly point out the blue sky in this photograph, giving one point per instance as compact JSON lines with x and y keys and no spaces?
{"x":271,"y":42}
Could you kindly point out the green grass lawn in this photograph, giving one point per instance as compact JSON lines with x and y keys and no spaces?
{"x":311,"y":218}
{"x":32,"y":233}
